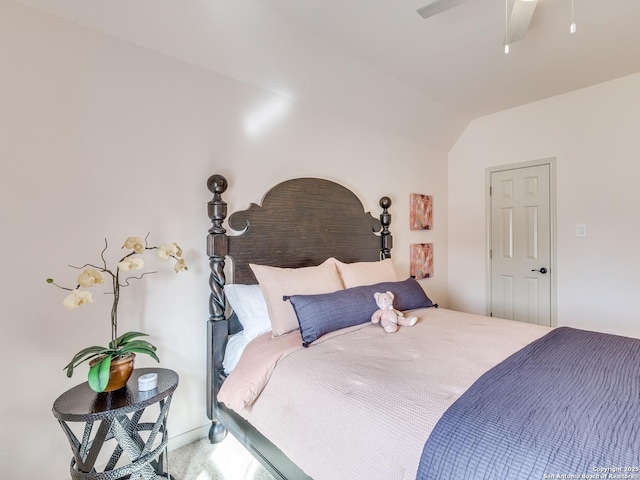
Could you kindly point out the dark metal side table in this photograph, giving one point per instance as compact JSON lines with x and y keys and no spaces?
{"x":118,"y":415}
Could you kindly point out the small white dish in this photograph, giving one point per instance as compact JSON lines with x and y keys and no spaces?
{"x":148,"y":381}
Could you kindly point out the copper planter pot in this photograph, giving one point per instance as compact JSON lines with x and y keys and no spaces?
{"x":120,"y":371}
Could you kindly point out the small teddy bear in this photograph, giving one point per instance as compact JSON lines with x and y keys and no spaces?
{"x":388,"y":316}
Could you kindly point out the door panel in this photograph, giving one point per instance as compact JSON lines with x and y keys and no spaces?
{"x":520,"y":244}
{"x":506,"y":229}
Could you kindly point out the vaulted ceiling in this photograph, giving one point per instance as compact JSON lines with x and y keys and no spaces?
{"x":454,"y":60}
{"x":457,"y":56}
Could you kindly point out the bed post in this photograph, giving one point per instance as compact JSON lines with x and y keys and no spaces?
{"x":218,"y":325}
{"x":385,"y":234}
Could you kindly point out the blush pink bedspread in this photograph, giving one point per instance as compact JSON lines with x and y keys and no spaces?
{"x":360,"y":403}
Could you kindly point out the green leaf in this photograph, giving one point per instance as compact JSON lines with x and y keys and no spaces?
{"x":139,"y":343}
{"x":87,"y":351}
{"x":84,"y":355}
{"x":126,"y":337}
{"x":141,"y":349}
{"x":99,"y":374}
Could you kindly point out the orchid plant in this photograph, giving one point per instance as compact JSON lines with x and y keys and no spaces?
{"x":120,"y":277}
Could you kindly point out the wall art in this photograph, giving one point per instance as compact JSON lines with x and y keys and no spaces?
{"x":421,"y":212}
{"x":421,"y":260}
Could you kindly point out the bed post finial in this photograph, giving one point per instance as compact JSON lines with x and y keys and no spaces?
{"x":217,"y":326}
{"x":217,"y":185}
{"x":385,"y":234}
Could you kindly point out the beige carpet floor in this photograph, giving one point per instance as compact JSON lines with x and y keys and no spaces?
{"x":227,"y":460}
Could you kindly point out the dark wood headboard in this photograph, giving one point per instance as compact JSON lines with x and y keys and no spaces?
{"x":300,"y":223}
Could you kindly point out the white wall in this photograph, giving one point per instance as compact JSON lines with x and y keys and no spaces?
{"x":593,"y":134}
{"x":100,"y":138}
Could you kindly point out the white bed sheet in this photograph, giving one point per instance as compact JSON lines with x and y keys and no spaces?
{"x":235,"y":346}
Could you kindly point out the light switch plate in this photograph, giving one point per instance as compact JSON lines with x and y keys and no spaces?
{"x":581,"y":230}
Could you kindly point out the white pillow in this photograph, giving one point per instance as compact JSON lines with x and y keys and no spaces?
{"x":250,"y":306}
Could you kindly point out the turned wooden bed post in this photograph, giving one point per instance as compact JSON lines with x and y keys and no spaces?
{"x":385,"y":234}
{"x":218,"y":325}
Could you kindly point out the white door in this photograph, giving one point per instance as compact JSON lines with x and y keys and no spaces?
{"x":520,"y":244}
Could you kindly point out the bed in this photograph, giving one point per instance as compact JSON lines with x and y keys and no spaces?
{"x":334,"y":396}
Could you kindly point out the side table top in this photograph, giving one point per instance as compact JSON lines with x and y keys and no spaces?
{"x":80,"y":403}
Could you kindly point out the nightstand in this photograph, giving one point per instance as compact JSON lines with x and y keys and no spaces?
{"x":117,"y":416}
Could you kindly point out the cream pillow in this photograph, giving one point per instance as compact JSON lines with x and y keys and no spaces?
{"x":366,"y":273}
{"x":278,"y":282}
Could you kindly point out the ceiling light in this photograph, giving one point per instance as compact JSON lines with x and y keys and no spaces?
{"x":572,"y":28}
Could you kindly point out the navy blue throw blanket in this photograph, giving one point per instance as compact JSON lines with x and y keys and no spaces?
{"x":565,"y":406}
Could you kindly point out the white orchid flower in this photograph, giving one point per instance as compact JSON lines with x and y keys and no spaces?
{"x":90,"y":277}
{"x":180,"y":266}
{"x":131,"y":263}
{"x":77,"y":298}
{"x":135,"y":243}
{"x":167,"y":251}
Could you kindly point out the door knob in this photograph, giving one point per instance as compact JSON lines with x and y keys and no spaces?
{"x":542,"y":270}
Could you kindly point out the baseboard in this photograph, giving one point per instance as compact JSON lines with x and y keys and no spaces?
{"x":187,"y":437}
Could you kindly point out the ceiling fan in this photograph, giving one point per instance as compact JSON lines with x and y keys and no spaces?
{"x":518,"y":23}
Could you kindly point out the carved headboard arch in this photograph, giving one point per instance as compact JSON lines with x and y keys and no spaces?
{"x":303,"y":222}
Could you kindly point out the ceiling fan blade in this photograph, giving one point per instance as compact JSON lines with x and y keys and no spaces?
{"x":438,"y":6}
{"x":520,"y":18}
